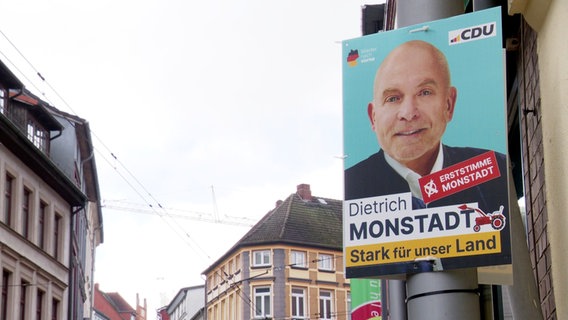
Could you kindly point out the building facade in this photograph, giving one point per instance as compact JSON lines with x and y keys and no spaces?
{"x":543,"y":99}
{"x":162,"y":313}
{"x":188,"y":304}
{"x":51,"y":221}
{"x":288,"y":266}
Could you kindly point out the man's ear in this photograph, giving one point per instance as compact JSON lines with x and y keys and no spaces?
{"x":371,"y":114}
{"x":451,"y":102}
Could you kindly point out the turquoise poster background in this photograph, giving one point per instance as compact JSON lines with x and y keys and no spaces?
{"x":477,"y":71}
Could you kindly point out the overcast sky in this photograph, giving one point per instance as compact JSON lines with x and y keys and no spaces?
{"x":212,"y":107}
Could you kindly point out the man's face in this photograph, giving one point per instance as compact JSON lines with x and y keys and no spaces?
{"x":412,"y":104}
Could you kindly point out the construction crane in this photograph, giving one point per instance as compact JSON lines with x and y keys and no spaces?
{"x":187,"y":214}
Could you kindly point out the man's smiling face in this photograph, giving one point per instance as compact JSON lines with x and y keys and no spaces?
{"x":412,"y":104}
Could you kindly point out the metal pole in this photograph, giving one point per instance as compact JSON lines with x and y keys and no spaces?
{"x":484,"y":4}
{"x":443,"y":295}
{"x":396,"y":304}
{"x":410,"y":12}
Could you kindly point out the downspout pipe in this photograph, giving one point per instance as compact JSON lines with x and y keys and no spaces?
{"x":72,"y":266}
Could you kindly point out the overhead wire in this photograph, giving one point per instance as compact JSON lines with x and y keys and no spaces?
{"x":247,"y":299}
{"x":17,"y":69}
{"x":195,"y":246}
{"x":139,"y":188}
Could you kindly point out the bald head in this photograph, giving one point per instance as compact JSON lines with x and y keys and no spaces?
{"x":412,"y":103}
{"x":415,"y":50}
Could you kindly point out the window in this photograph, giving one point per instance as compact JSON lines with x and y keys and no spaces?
{"x":56,"y":231}
{"x":298,"y":259}
{"x":37,"y":135}
{"x":55,"y":309}
{"x":237,"y":263}
{"x":8,"y":189}
{"x":325,"y":305}
{"x":325,"y":262}
{"x":26,"y":210}
{"x":39,"y":304}
{"x":41,"y":224}
{"x":261,"y":258}
{"x":262,"y":302}
{"x":231,"y":312}
{"x":96,"y":316}
{"x":23,"y":296}
{"x":298,"y":303}
{"x":6,"y":276}
{"x":223,"y":275}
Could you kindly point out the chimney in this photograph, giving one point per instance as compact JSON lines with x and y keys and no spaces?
{"x":303,"y":190}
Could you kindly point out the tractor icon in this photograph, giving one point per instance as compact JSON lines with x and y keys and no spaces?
{"x":495,"y":219}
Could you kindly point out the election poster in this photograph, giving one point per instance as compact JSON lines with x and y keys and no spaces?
{"x":366,"y":299}
{"x":425,"y":140}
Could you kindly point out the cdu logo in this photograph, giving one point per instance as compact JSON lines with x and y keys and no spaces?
{"x":472,"y":33}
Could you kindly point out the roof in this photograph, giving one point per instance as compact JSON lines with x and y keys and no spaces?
{"x":315,"y":222}
{"x":8,"y":78}
{"x":180,"y":296}
{"x":19,"y":144}
{"x":119,"y":303}
{"x":39,"y":108}
{"x":16,"y":140}
{"x":111,"y":305}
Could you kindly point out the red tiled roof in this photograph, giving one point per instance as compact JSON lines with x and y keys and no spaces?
{"x":112,"y":305}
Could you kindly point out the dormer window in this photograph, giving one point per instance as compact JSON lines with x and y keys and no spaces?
{"x":38,"y":135}
{"x":30,"y":115}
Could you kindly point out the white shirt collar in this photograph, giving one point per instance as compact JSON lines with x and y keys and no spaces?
{"x":412,"y":177}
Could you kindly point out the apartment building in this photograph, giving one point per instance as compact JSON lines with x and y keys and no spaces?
{"x":288,"y":266}
{"x":188,"y":304}
{"x":50,"y":223}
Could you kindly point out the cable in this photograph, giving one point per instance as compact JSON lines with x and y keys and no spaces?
{"x":22,"y":73}
{"x":137,"y":186}
{"x":251,"y":303}
{"x":161,"y":215}
{"x":36,"y":71}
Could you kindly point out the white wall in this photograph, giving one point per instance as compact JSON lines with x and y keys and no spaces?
{"x":552,"y":54}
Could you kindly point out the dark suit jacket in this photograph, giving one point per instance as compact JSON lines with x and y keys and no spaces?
{"x":375,"y":177}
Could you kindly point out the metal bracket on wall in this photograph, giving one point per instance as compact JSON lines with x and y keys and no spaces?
{"x":533,"y":110}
